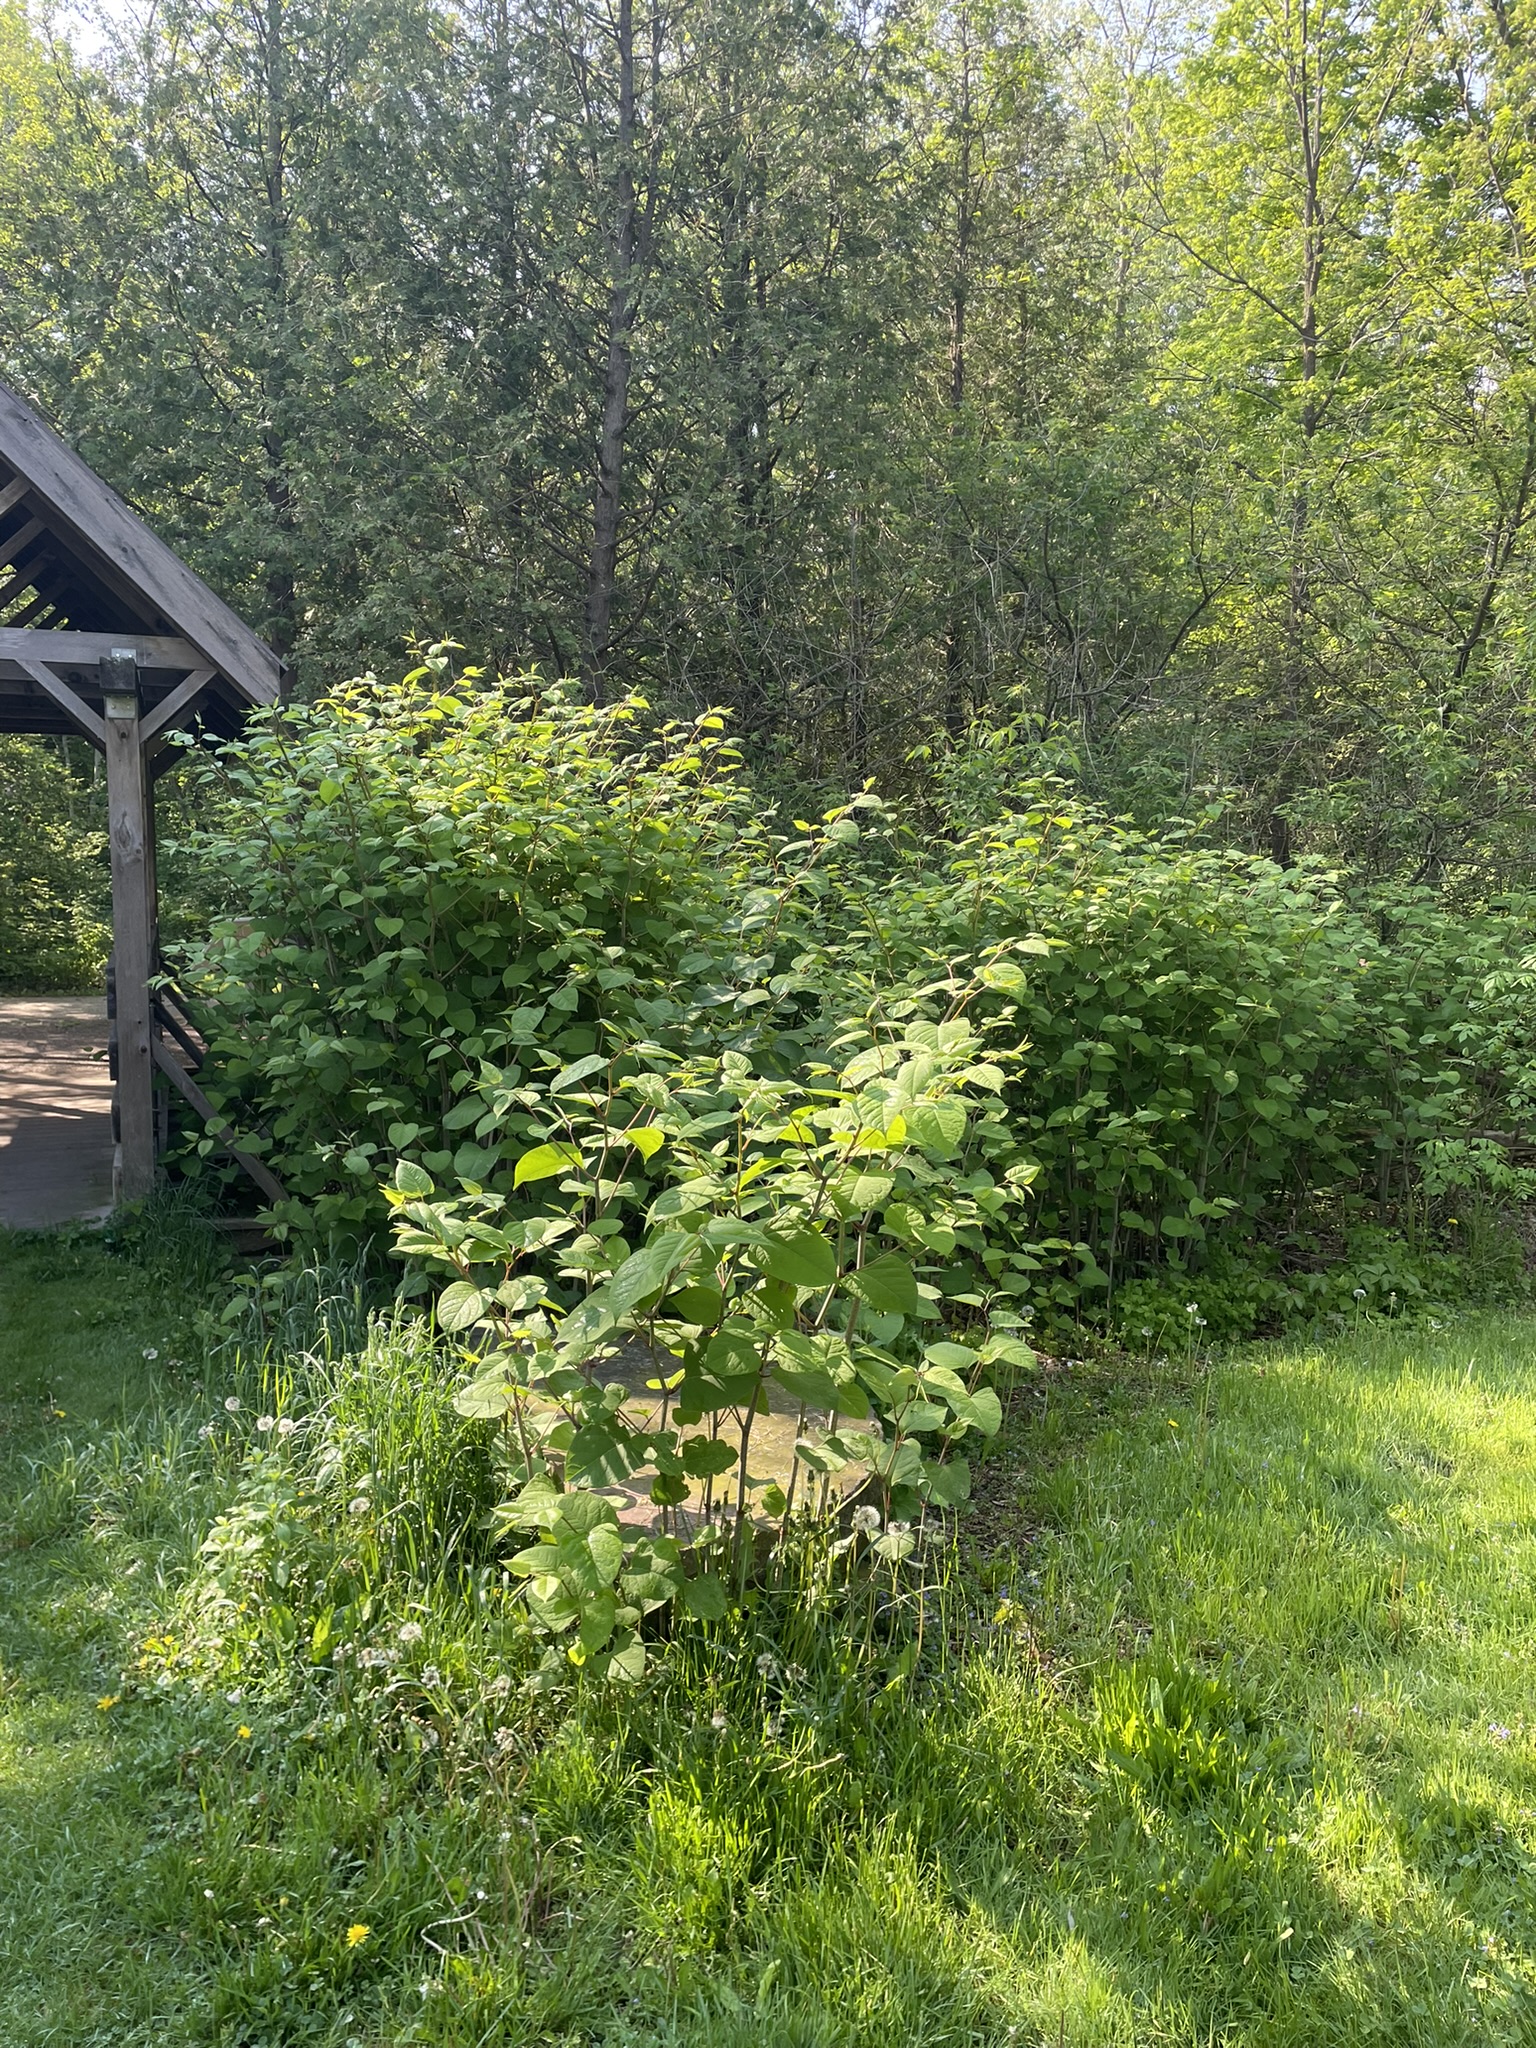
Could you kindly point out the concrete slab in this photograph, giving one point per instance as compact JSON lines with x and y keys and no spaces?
{"x":55,"y":1111}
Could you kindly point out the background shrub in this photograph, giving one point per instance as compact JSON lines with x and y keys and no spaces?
{"x":447,"y":897}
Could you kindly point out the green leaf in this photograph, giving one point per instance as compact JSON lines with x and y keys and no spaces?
{"x":460,"y":1305}
{"x":410,"y":1178}
{"x":487,"y":1399}
{"x":707,"y":1457}
{"x":949,"y":1483}
{"x":981,"y":1410}
{"x":958,"y":1357}
{"x":578,"y":1070}
{"x":604,"y":1453}
{"x":699,"y":1303}
{"x":818,"y":1389}
{"x":937,"y":1128}
{"x":887,"y":1284}
{"x":800,"y":1258}
{"x":647,"y":1139}
{"x":705,"y":1597}
{"x":544,"y":1161}
{"x":626,"y":1666}
{"x":598,"y":1615}
{"x":586,"y":1512}
{"x":476,"y":1162}
{"x":1007,"y":1351}
{"x":648,"y":1269}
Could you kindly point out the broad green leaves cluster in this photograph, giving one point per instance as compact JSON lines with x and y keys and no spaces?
{"x":719,"y":1238}
{"x":461,"y":914}
{"x":446,"y":897}
{"x":1215,"y":1045}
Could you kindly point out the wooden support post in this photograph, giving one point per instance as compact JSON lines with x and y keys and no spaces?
{"x":129,"y":831}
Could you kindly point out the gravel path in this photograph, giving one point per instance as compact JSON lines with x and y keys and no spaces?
{"x":55,"y":1110}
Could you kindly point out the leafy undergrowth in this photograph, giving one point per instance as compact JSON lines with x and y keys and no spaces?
{"x":1224,"y":1733}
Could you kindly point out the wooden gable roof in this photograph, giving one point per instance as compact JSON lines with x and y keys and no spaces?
{"x":76,"y":564}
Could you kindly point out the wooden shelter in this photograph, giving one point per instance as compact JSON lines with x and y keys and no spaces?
{"x":105,"y":631}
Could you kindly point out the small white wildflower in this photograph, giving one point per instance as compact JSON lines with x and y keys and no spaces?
{"x":718,"y":1721}
{"x":430,"y":1675}
{"x":1359,"y":1294}
{"x":766,"y":1665}
{"x":506,"y":1741}
{"x":1191,"y":1308}
{"x":1199,"y":1322}
{"x":1146,"y":1329}
{"x":151,"y":1352}
{"x":358,"y":1506}
{"x":266,"y":1423}
{"x":232,"y":1403}
{"x":286,"y":1425}
{"x":866,"y":1520}
{"x":264,"y":1921}
{"x":411,"y":1632}
{"x":426,"y":1987}
{"x":499,"y":1686}
{"x":206,"y":1431}
{"x":206,"y":1893}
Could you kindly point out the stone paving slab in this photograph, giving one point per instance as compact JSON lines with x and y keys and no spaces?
{"x":55,"y":1111}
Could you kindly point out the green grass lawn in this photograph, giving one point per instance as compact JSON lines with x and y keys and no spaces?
{"x":1232,"y":1743}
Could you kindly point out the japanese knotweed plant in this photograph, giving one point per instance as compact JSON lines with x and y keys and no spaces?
{"x":783,"y":1246}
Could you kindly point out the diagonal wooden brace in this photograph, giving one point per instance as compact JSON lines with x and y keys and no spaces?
{"x":178,"y":1076}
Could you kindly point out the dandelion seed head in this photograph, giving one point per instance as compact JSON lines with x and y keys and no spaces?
{"x":286,"y":1425}
{"x":232,"y":1403}
{"x":266,"y":1423}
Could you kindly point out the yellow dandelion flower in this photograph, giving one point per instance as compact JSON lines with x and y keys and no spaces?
{"x":357,"y":1934}
{"x":107,"y":1700}
{"x":242,"y":1733}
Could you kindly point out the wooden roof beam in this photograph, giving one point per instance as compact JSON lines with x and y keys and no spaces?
{"x":84,"y":650}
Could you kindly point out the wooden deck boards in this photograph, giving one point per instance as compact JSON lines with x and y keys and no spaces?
{"x":55,"y":1111}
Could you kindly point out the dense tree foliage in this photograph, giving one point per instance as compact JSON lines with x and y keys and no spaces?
{"x":1161,"y":390}
{"x":53,"y":872}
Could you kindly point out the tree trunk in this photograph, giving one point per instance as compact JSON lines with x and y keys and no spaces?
{"x":603,"y":561}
